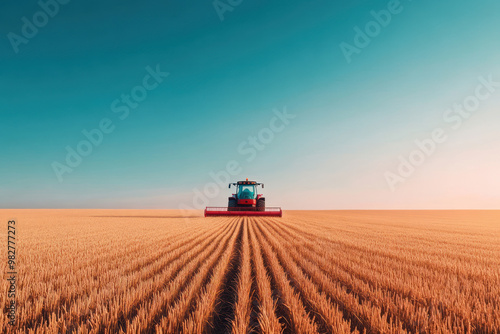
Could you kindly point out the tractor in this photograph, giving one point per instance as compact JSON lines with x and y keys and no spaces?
{"x":246,"y":197}
{"x":245,"y":202}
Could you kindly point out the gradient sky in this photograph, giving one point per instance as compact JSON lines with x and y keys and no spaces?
{"x":352,"y":120}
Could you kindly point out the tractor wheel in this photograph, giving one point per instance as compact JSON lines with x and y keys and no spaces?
{"x":261,"y":204}
{"x":232,"y":204}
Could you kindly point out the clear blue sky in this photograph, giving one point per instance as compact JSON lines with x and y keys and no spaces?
{"x":352,"y":119}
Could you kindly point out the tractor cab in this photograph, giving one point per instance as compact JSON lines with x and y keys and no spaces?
{"x":246,"y":191}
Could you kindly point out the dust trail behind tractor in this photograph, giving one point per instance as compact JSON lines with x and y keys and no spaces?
{"x":223,"y":211}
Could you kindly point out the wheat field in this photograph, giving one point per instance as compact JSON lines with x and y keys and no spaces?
{"x":148,"y":271}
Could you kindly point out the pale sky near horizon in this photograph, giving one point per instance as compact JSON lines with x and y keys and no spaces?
{"x":350,"y":119}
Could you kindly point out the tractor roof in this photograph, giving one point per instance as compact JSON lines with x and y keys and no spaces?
{"x":246,"y":182}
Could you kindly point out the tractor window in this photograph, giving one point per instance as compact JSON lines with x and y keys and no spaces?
{"x":246,"y":192}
